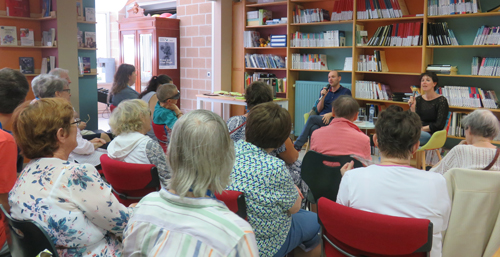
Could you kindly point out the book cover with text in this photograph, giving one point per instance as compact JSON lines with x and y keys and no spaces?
{"x":90,"y":39}
{"x":86,"y":64}
{"x":18,"y":8}
{"x":27,"y":65}
{"x":8,"y":35}
{"x":27,"y":37}
{"x":89,"y":14}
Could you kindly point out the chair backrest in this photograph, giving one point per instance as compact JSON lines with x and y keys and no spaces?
{"x":130,"y":181}
{"x":475,"y":211}
{"x":306,"y":117}
{"x":362,"y":233}
{"x":235,"y":201}
{"x":161,"y":133}
{"x":26,"y":237}
{"x":436,"y":141}
{"x":324,"y":180}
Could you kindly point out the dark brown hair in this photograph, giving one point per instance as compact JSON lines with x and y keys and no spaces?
{"x":258,"y":92}
{"x":268,"y":125}
{"x":13,"y":89}
{"x":154,"y":82}
{"x":394,"y":108}
{"x":345,"y":107}
{"x":397,"y":133}
{"x":35,"y":126}
{"x":121,"y":77}
{"x":431,"y":75}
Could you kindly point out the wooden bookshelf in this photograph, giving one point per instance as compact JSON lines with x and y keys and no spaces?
{"x":469,"y":76}
{"x":415,"y":18}
{"x":387,"y":47}
{"x":87,"y":22}
{"x":264,"y":48}
{"x":327,"y":71}
{"x":34,"y":17}
{"x":263,"y":5}
{"x":466,"y":46}
{"x":323,"y":47}
{"x":468,"y":15}
{"x":389,"y":73}
{"x":32,"y":47}
{"x":269,"y":69}
{"x":267,"y":26}
{"x":322,"y":23}
{"x":463,"y":138}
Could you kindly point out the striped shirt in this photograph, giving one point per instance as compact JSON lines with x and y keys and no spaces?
{"x":467,"y":157}
{"x":165,"y":225}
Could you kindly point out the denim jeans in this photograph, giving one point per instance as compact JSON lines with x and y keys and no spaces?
{"x":314,"y":122}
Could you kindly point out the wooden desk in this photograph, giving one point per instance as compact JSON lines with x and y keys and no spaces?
{"x":228,"y":100}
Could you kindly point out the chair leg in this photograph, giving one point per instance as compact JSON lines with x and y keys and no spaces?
{"x":308,"y":145}
{"x":423,"y":160}
{"x":439,"y":154}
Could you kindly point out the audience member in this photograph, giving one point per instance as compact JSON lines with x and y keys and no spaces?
{"x":149,"y":96}
{"x":393,"y":187}
{"x":77,"y":209}
{"x":273,"y":201}
{"x":166,"y":110}
{"x":257,"y":93}
{"x":430,"y":106}
{"x":201,"y":155}
{"x":122,"y":89}
{"x":130,"y":121}
{"x":13,"y":90}
{"x":342,"y":136}
{"x":476,"y":151}
{"x":324,"y":107}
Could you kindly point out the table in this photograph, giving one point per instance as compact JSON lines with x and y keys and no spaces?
{"x":366,"y":125}
{"x":228,"y":100}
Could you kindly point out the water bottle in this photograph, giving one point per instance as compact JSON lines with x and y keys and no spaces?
{"x":372,"y":112}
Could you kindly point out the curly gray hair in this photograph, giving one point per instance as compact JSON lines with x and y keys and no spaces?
{"x":47,"y":85}
{"x":483,"y":123}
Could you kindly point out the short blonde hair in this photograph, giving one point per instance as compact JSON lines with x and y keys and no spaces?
{"x":200,"y":153}
{"x":129,"y":116}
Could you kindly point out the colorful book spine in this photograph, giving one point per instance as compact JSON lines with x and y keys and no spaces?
{"x":398,"y":34}
{"x":309,"y":61}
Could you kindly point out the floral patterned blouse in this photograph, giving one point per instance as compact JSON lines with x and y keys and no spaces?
{"x":73,"y":204}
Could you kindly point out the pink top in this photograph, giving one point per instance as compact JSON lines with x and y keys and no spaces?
{"x":341,"y":137}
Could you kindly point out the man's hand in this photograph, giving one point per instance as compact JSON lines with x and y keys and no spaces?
{"x":97,"y":142}
{"x":327,"y":117}
{"x":346,"y":167}
{"x":82,"y":125}
{"x":324,"y":92}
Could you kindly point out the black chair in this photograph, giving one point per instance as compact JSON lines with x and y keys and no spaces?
{"x":324,"y":180}
{"x":26,"y":237}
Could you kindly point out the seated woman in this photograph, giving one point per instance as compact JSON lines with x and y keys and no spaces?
{"x":208,"y":227}
{"x":476,"y":151}
{"x":166,"y":110}
{"x":130,"y":122}
{"x":70,"y":201}
{"x":122,"y":89}
{"x":430,"y":106}
{"x":257,"y":93}
{"x":273,"y":201}
{"x":149,"y":96}
{"x":393,"y":187}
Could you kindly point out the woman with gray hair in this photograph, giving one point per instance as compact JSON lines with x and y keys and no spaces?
{"x":201,"y":157}
{"x":476,"y":151}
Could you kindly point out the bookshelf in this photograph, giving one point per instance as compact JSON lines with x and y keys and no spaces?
{"x":405,"y":63}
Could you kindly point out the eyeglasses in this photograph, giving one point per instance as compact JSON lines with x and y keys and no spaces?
{"x":77,"y":122}
{"x":67,"y":90}
{"x":175,"y":97}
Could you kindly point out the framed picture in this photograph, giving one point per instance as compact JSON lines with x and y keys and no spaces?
{"x":79,"y":10}
{"x":167,"y":53}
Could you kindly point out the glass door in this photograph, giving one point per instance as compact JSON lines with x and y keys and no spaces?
{"x":145,"y":58}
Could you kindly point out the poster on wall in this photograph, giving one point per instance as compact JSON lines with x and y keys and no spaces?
{"x":167,"y":53}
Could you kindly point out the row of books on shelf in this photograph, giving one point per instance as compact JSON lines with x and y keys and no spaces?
{"x":372,"y":90}
{"x":301,"y":15}
{"x":454,"y":125}
{"x":375,"y":62}
{"x":8,"y":36}
{"x":265,"y":61}
{"x":381,"y":9}
{"x":309,"y":61}
{"x":469,"y":97}
{"x":398,"y":34}
{"x":331,"y":38}
{"x":451,"y":7}
{"x":21,"y":8}
{"x":27,"y":64}
{"x":487,"y":35}
{"x":84,"y":65}
{"x":485,"y":66}
{"x":342,"y":10}
{"x":86,"y":39}
{"x":438,"y":33}
{"x":278,"y":84}
{"x":442,"y":69}
{"x":251,"y":38}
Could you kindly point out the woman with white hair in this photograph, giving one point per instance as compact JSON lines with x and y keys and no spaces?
{"x":201,"y":157}
{"x":476,"y":151}
{"x":130,"y":122}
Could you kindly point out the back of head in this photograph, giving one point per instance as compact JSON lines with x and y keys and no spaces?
{"x":200,"y":153}
{"x":58,"y":72}
{"x":48,"y":85}
{"x":166,"y":91}
{"x":35,"y":126}
{"x":129,"y":116}
{"x":268,"y":125}
{"x":345,"y":107}
{"x":122,"y":76}
{"x":154,"y":82}
{"x":394,"y":108}
{"x":482,"y":123}
{"x":258,"y":92}
{"x":13,"y":90}
{"x":397,"y":133}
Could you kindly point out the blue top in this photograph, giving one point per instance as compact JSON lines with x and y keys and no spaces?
{"x":164,"y":116}
{"x":331,"y":96}
{"x":125,"y":94}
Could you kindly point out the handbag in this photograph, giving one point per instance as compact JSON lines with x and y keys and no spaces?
{"x":494,"y":160}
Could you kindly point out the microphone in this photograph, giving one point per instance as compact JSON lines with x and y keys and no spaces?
{"x":328,"y":89}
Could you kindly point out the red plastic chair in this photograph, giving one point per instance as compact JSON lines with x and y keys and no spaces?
{"x":161,"y":133}
{"x":235,"y":201}
{"x":352,"y":232}
{"x":130,"y":181}
{"x":112,"y":107}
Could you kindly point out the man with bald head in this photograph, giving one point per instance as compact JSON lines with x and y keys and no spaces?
{"x":329,"y":93}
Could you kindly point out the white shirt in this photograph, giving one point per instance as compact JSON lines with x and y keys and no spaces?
{"x":85,"y":151}
{"x":399,"y":191}
{"x":468,"y":157}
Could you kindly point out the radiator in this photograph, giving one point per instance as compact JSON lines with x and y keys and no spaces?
{"x":306,"y":94}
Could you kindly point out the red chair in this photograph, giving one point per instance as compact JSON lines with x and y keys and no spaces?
{"x":112,"y":107}
{"x":161,"y":133}
{"x":235,"y":201}
{"x":130,"y":181}
{"x":352,"y":232}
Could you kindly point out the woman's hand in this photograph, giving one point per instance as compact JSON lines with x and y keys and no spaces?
{"x":82,"y":125}
{"x":346,"y":167}
{"x":97,"y":142}
{"x":411,"y":103}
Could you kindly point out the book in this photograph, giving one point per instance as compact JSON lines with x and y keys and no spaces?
{"x":439,"y":34}
{"x":348,"y":64}
{"x":398,"y":34}
{"x":27,"y":65}
{"x":89,"y":14}
{"x":46,"y":7}
{"x":90,"y":39}
{"x":18,"y":8}
{"x":309,"y":61}
{"x":375,"y":62}
{"x":452,"y":7}
{"x":487,"y":35}
{"x":486,"y":66}
{"x":80,"y":38}
{"x":48,"y":37}
{"x":80,"y":65}
{"x":342,"y":10}
{"x":331,"y":38}
{"x":264,"y":15}
{"x":268,"y":61}
{"x":379,"y":9}
{"x":251,"y":38}
{"x":27,"y":37}
{"x":79,"y":9}
{"x":8,"y":35}
{"x":86,"y":64}
{"x":372,"y":90}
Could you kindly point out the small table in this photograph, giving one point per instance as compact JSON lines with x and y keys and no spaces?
{"x":228,"y":100}
{"x":366,"y":125}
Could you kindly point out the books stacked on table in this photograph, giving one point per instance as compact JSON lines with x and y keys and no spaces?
{"x":373,"y":90}
{"x":440,"y":7}
{"x":331,"y":38}
{"x":398,"y":34}
{"x":486,"y":66}
{"x":487,"y":35}
{"x":442,"y":69}
{"x":440,"y":34}
{"x":264,"y":61}
{"x":342,"y":10}
{"x":278,"y":41}
{"x":251,"y":38}
{"x":469,"y":97}
{"x":375,"y":62}
{"x":309,"y":61}
{"x":301,"y":15}
{"x":382,"y":9}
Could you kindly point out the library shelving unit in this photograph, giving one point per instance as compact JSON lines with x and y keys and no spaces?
{"x":405,"y":63}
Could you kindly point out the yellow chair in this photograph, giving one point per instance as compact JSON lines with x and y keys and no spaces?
{"x":306,"y":117}
{"x":436,"y":141}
